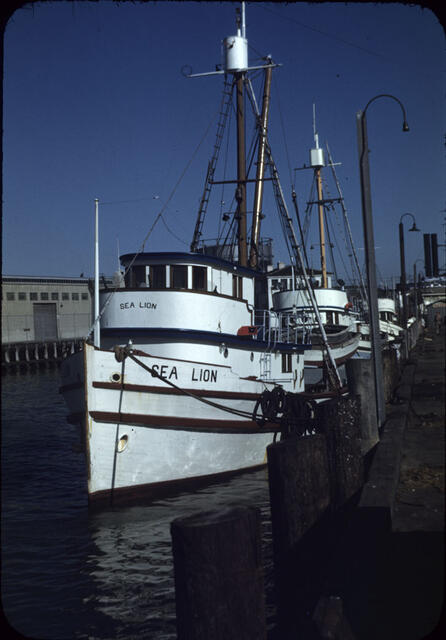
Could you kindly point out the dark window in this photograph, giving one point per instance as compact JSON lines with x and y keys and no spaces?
{"x":178,"y":276}
{"x":54,"y":295}
{"x":199,"y":278}
{"x":158,"y":276}
{"x":22,"y":295}
{"x":75,"y":296}
{"x":329,"y":317}
{"x":33,"y":295}
{"x":138,"y":277}
{"x":237,"y":287}
{"x":286,"y":362}
{"x":10,"y":295}
{"x":84,"y":296}
{"x":44,"y":295}
{"x":65,"y":296}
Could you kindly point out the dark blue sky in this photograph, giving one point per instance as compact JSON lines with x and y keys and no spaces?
{"x":95,"y":105}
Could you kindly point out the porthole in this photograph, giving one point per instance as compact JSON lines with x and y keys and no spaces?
{"x":122,"y":443}
{"x":116,"y":377}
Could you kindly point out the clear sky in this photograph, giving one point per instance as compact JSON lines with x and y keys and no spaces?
{"x":95,"y":106}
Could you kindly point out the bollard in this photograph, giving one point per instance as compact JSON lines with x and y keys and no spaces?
{"x":219,"y":583}
{"x":361,"y":382}
{"x":300,"y":497}
{"x":339,"y":419}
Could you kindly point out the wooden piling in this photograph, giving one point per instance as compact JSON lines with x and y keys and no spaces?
{"x":300,"y":496}
{"x":219,"y":583}
{"x":339,"y":419}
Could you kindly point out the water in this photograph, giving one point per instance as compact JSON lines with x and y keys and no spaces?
{"x":71,"y":573}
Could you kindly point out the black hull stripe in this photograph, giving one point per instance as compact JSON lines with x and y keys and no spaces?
{"x":184,"y":424}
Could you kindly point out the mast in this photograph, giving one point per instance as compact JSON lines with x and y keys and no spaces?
{"x":258,"y":195}
{"x":317,"y":161}
{"x":97,"y":328}
{"x":236,"y":63}
{"x":241,"y":171}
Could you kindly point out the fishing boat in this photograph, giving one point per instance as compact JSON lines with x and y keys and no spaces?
{"x":391,"y":333}
{"x":288,"y":293}
{"x":186,"y":374}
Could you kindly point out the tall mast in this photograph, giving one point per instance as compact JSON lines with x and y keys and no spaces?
{"x":241,"y":153}
{"x":235,"y":62}
{"x":317,"y":161}
{"x":258,"y":195}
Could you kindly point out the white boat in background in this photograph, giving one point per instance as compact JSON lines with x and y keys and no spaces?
{"x":288,"y":293}
{"x":390,"y":331}
{"x":189,"y":365}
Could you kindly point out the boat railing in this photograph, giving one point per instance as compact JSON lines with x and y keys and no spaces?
{"x":274,"y":327}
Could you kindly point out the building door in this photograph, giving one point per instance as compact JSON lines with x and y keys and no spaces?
{"x":45,"y":321}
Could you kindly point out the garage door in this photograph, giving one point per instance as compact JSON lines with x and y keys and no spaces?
{"x":45,"y":322}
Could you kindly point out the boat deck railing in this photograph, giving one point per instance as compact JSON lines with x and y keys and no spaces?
{"x":274,"y":327}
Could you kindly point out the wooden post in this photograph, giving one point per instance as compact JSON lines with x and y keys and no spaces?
{"x":219,"y":584}
{"x":361,"y":382}
{"x":339,"y":419}
{"x":300,"y":495}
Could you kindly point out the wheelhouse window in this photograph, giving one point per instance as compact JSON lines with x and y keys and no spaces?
{"x":199,"y":278}
{"x":286,"y":362}
{"x":237,"y":287}
{"x":178,"y":276}
{"x":158,"y":276}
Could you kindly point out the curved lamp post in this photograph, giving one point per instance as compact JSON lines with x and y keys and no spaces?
{"x":403,"y":263}
{"x":369,"y":244}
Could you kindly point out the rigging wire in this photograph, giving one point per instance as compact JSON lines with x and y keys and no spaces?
{"x":172,"y":233}
{"x":283,"y":131}
{"x":158,"y":217}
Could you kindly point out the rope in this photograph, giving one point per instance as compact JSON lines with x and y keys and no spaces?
{"x":155,"y":374}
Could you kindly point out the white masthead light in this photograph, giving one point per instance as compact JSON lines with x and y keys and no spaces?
{"x":236,"y":47}
{"x":317,"y":154}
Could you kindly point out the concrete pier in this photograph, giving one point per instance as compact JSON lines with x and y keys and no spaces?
{"x":29,"y":355}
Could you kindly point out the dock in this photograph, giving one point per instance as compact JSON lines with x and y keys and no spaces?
{"x":22,"y":356}
{"x":358,"y":539}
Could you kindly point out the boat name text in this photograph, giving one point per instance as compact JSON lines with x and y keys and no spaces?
{"x":197,"y":375}
{"x":141,"y":305}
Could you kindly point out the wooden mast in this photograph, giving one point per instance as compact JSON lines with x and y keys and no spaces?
{"x":317,"y":162}
{"x":321,"y":227}
{"x":241,"y":171}
{"x":258,"y":195}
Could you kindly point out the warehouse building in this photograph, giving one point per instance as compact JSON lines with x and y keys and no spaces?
{"x":38,"y":309}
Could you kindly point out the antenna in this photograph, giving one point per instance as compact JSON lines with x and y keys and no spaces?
{"x":316,"y":136}
{"x":243,"y":21}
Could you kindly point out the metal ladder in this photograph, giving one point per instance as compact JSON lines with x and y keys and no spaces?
{"x":224,"y":110}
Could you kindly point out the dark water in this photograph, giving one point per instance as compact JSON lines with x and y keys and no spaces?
{"x":70,"y":573}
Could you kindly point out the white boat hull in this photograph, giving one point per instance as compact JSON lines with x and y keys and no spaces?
{"x":142,"y":433}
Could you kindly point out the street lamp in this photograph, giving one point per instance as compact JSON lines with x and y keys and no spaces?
{"x":403,"y":264}
{"x":369,"y":245}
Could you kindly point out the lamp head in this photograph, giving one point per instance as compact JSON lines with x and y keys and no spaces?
{"x":405,"y":126}
{"x":414,"y":227}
